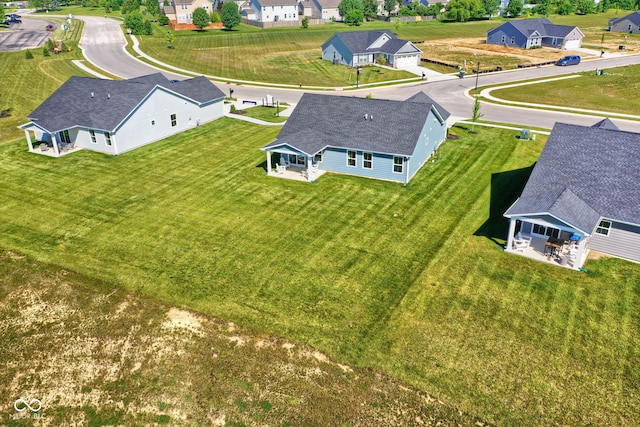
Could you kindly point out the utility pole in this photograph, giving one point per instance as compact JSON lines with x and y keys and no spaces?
{"x":477,"y":74}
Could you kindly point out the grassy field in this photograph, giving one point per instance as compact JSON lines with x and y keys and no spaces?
{"x":102,"y":367}
{"x":28,"y":82}
{"x":407,"y":280}
{"x":608,"y":92}
{"x":268,"y":114}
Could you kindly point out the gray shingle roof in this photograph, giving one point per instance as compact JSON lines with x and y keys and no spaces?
{"x":318,"y":121}
{"x":103,"y":104}
{"x":606,"y":124}
{"x":543,"y":26}
{"x":634,"y":17}
{"x":277,"y":2}
{"x":360,"y":42}
{"x":585,"y":173}
{"x":329,"y":4}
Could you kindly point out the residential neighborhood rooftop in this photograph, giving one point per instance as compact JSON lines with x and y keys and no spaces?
{"x":585,"y":173}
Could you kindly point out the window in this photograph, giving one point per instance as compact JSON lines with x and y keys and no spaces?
{"x":546,"y":231}
{"x":318,"y":157}
{"x":603,"y":228}
{"x":367,"y":160}
{"x":107,"y":138}
{"x":503,"y":40}
{"x":174,"y":120}
{"x":185,"y":7}
{"x":513,"y":40}
{"x":629,"y":27}
{"x":153,"y":122}
{"x":92,"y":134}
{"x":351,"y":158}
{"x":398,"y":164}
{"x":64,"y":137}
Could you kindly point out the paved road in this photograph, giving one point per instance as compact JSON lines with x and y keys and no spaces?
{"x":30,"y":34}
{"x":103,"y":43}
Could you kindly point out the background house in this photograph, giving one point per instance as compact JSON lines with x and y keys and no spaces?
{"x":372,"y":138}
{"x":531,"y":33}
{"x":275,"y":10}
{"x":364,"y":47}
{"x":627,"y":24}
{"x":114,"y":116}
{"x":584,"y":185}
{"x":180,"y":12}
{"x":327,"y":10}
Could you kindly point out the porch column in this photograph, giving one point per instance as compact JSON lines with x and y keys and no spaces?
{"x":56,"y":149}
{"x":512,"y":229}
{"x":309,"y":177}
{"x":28,"y":135}
{"x":268,"y":162}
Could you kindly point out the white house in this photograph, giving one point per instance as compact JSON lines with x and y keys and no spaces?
{"x":275,"y":10}
{"x":115,"y":116}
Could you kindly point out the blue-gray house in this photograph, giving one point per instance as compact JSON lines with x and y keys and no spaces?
{"x":357,"y":48}
{"x":373,"y":138}
{"x":582,"y":196}
{"x":627,"y":24}
{"x":532,"y":33}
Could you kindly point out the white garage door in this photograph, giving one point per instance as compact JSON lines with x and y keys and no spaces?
{"x":406,"y":61}
{"x":572,"y":44}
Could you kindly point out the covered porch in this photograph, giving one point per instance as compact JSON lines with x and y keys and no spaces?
{"x":49,"y":144}
{"x":294,"y":165}
{"x":550,"y":242}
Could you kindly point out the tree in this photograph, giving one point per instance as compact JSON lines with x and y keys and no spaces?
{"x":463,"y":10}
{"x":585,"y":6}
{"x":1,"y":10}
{"x":370,"y":9}
{"x":354,"y":17}
{"x":490,"y":7}
{"x":136,"y":23}
{"x":352,"y":11}
{"x":200,"y":18}
{"x":390,"y":5}
{"x":170,"y":37}
{"x":230,"y":15}
{"x":129,"y":6}
{"x":476,"y":113}
{"x":514,"y":8}
{"x":153,"y":7}
{"x":543,"y":7}
{"x":565,"y":8}
{"x":305,"y":22}
{"x":163,"y":20}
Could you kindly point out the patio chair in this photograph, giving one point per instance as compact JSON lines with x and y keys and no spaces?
{"x":44,"y":146}
{"x":284,"y":162}
{"x":521,"y":244}
{"x":280,"y":169}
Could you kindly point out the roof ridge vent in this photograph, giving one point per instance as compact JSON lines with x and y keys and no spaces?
{"x":366,"y":116}
{"x":93,"y":94}
{"x":108,"y":96}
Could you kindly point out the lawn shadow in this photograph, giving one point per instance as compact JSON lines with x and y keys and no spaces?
{"x":506,"y":187}
{"x":275,"y":158}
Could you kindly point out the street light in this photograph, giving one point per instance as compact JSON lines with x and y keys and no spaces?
{"x":477,"y":74}
{"x":357,"y":76}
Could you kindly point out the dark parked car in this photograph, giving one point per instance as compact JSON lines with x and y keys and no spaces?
{"x":569,"y":60}
{"x":13,"y":18}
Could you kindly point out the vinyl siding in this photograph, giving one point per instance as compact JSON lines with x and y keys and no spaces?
{"x":335,"y":160}
{"x":137,"y":130}
{"x":495,"y":37}
{"x":343,"y":54}
{"x":432,"y":135}
{"x":623,"y":241}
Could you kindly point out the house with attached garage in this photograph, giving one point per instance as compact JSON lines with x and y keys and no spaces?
{"x":372,"y":138}
{"x":582,"y":196}
{"x":181,"y":11}
{"x":358,"y":48}
{"x":533,"y":33}
{"x":115,"y":116}
{"x":627,"y":24}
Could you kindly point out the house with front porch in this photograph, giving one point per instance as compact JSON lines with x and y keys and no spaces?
{"x":534,"y":33}
{"x":115,"y":116}
{"x":358,"y":48}
{"x":373,"y":138}
{"x":582,"y":196}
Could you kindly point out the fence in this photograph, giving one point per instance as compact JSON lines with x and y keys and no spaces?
{"x":279,"y":24}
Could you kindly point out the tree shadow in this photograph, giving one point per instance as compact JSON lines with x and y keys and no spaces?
{"x":506,"y":187}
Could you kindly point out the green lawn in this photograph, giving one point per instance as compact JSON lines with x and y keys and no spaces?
{"x":267,"y":114}
{"x":28,"y":82}
{"x":608,"y":92}
{"x":410,"y":280}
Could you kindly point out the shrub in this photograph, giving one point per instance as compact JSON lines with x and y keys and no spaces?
{"x":163,"y":20}
{"x":28,"y":54}
{"x":305,"y":22}
{"x":215,"y":17}
{"x":45,"y":51}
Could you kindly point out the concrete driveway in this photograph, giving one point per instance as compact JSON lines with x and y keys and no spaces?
{"x":30,"y":34}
